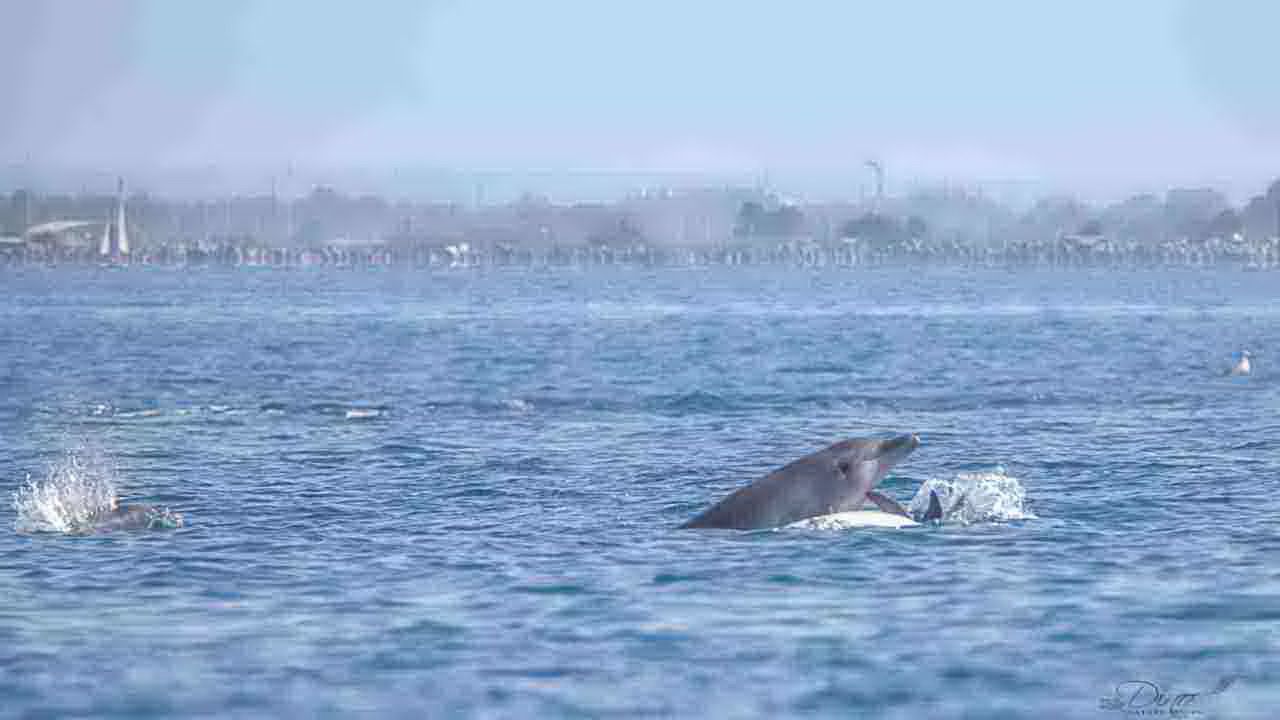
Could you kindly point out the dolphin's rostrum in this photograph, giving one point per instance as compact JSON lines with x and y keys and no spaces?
{"x":838,"y":479}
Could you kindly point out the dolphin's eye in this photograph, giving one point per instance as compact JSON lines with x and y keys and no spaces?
{"x":843,"y":467}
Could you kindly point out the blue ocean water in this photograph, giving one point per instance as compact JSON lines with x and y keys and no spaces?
{"x":455,"y":493}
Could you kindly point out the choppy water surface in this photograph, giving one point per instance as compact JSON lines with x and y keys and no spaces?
{"x":455,"y":493}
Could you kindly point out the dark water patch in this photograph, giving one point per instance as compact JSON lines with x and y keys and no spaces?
{"x":319,"y":458}
{"x":672,"y":578}
{"x":1065,"y":465}
{"x":473,"y":492}
{"x":785,"y":579}
{"x":1165,"y":400}
{"x":293,"y":346}
{"x":274,"y":379}
{"x":175,"y":497}
{"x":192,"y":380}
{"x":691,"y":402}
{"x":282,"y":437}
{"x":550,"y":587}
{"x":817,"y":369}
{"x":521,"y":465}
{"x":328,"y":408}
{"x":146,"y":454}
{"x":400,"y":450}
{"x":1221,"y":608}
{"x":428,"y":628}
{"x":220,"y":421}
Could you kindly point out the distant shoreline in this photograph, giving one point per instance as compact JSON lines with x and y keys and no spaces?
{"x":1188,"y":227}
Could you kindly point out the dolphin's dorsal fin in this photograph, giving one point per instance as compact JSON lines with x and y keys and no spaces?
{"x":935,"y":508}
{"x":887,"y":504}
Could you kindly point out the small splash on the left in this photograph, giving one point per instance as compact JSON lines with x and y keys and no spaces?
{"x":78,"y":496}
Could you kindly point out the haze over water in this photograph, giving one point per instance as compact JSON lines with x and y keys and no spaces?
{"x":455,"y":492}
{"x":582,"y":100}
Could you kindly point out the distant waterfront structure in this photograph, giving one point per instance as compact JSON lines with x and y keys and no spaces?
{"x":729,"y":225}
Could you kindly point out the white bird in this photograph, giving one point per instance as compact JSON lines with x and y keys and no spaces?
{"x":1241,"y":366}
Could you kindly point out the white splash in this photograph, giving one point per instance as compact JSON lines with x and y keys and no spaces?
{"x":74,"y":491}
{"x":518,"y":405}
{"x":853,"y":519}
{"x":976,"y":497}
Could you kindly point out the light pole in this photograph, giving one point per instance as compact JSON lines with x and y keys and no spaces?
{"x":878,"y":169}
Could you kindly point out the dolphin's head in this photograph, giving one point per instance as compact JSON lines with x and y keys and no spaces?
{"x":865,"y":461}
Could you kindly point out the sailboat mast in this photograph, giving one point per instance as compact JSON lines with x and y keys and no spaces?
{"x":122,"y":239}
{"x":104,"y":242}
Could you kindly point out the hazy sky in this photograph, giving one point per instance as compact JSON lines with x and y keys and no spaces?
{"x":1092,"y":95}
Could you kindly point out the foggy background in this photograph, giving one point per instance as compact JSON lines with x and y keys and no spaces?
{"x":589,"y":100}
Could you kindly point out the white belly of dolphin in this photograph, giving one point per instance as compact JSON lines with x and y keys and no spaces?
{"x":855,"y":519}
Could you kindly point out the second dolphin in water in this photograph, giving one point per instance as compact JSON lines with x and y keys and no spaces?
{"x":838,"y":479}
{"x":136,"y":517}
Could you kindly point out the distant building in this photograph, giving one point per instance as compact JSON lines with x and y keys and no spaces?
{"x":64,"y":235}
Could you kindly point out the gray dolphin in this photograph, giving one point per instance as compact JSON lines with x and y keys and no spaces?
{"x":136,"y":517}
{"x":837,"y":479}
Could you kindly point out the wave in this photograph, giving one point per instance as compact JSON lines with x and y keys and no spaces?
{"x":692,"y":402}
{"x":817,"y":368}
{"x":140,"y":413}
{"x":518,"y":405}
{"x":349,"y":412}
{"x":975,"y":497}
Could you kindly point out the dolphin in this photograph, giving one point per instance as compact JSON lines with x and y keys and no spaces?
{"x":136,"y":517}
{"x":838,"y":479}
{"x":934,"y":511}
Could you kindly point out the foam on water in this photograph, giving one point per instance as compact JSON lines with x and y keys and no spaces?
{"x":853,"y":519}
{"x":968,"y":498}
{"x":518,"y":405}
{"x":976,"y":497}
{"x":74,"y":491}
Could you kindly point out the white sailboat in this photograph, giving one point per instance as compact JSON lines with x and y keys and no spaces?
{"x":120,"y":252}
{"x":104,"y":242}
{"x":122,"y":237}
